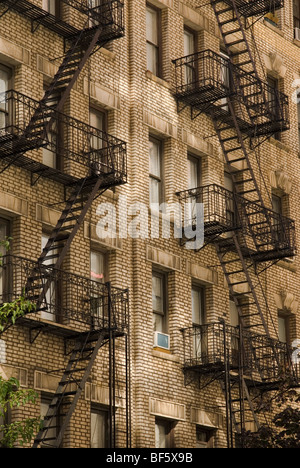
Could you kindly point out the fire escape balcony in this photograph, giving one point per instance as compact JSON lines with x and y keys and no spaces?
{"x":209,"y":348}
{"x":264,"y":234}
{"x":83,"y":151}
{"x":201,"y":80}
{"x":66,"y":303}
{"x":250,"y":8}
{"x":206,"y":80}
{"x":109,"y":14}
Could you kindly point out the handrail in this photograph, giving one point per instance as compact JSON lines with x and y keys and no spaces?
{"x":70,"y":299}
{"x":31,"y":125}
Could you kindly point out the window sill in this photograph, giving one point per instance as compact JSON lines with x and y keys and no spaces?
{"x":280,"y":145}
{"x":296,"y":42}
{"x":158,"y":80}
{"x":165,"y":354}
{"x":273,"y":27}
{"x":288,"y":265}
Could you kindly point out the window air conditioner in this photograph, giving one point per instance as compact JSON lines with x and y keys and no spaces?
{"x":161,"y":340}
{"x":297,"y":34}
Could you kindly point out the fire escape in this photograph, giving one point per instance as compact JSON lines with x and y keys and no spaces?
{"x":93,"y":161}
{"x":248,"y":235}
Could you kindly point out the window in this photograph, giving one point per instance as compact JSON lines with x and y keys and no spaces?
{"x":95,"y":4}
{"x":189,"y":49}
{"x":52,"y":6}
{"x":199,"y":318}
{"x":4,"y":232}
{"x":194,"y":174}
{"x":5,"y":85}
{"x":283,"y":327}
{"x":194,"y":181}
{"x":159,"y":302}
{"x":164,"y":433}
{"x":98,"y":274}
{"x":229,"y":201}
{"x":99,"y":156}
{"x":198,"y":305}
{"x":234,"y":322}
{"x":50,"y":298}
{"x":204,"y":438}
{"x":296,"y":7}
{"x":155,"y":171}
{"x":99,"y":428}
{"x":50,"y":152}
{"x":277,"y":204}
{"x":273,"y":101}
{"x":98,"y":266}
{"x":153,"y":40}
{"x":298,"y":107}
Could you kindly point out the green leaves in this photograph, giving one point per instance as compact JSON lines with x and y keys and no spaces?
{"x":11,"y":311}
{"x":12,"y":396}
{"x":6,"y":244}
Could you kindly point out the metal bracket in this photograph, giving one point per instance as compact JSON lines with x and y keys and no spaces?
{"x":34,"y":333}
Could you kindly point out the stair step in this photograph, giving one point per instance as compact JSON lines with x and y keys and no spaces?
{"x":233,"y":31}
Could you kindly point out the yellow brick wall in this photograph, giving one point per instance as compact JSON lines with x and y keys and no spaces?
{"x":145,"y":105}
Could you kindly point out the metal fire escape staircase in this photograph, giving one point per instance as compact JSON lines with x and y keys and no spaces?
{"x":244,"y":180}
{"x":235,"y":256}
{"x":242,"y":120}
{"x":83,"y":193}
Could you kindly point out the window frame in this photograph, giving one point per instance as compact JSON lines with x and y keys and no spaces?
{"x":282,"y":316}
{"x":191,"y":70}
{"x":164,"y":313}
{"x":201,"y":290}
{"x":105,"y":265}
{"x":191,"y":158}
{"x":157,"y":47}
{"x":296,"y":19}
{"x":97,"y":409}
{"x":209,"y":433}
{"x":7,"y":111}
{"x":47,"y":7}
{"x":169,"y":426}
{"x":159,"y":179}
{"x":6,"y":279}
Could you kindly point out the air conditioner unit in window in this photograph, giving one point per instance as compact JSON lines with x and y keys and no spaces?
{"x":161,"y":340}
{"x":297,"y":34}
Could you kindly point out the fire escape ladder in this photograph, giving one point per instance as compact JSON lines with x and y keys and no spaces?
{"x":58,"y":244}
{"x":68,"y":72}
{"x":245,"y":296}
{"x":69,"y":389}
{"x":234,"y":35}
{"x":239,"y":406}
{"x":237,"y":274}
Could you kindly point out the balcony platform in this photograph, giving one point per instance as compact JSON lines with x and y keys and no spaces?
{"x":86,"y":152}
{"x":66,"y":304}
{"x":249,"y":8}
{"x":267,"y":235}
{"x":265,"y":360}
{"x":206,"y":81}
{"x":109,"y":15}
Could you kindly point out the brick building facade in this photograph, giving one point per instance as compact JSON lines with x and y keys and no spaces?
{"x":127,"y":89}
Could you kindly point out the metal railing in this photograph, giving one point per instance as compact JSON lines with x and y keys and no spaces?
{"x":219,"y":207}
{"x":209,"y":347}
{"x":225,"y":211}
{"x":267,"y":106}
{"x":26,"y":124}
{"x":205,"y":80}
{"x":108,"y":14}
{"x":202,"y":77}
{"x":250,"y":8}
{"x":63,"y":297}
